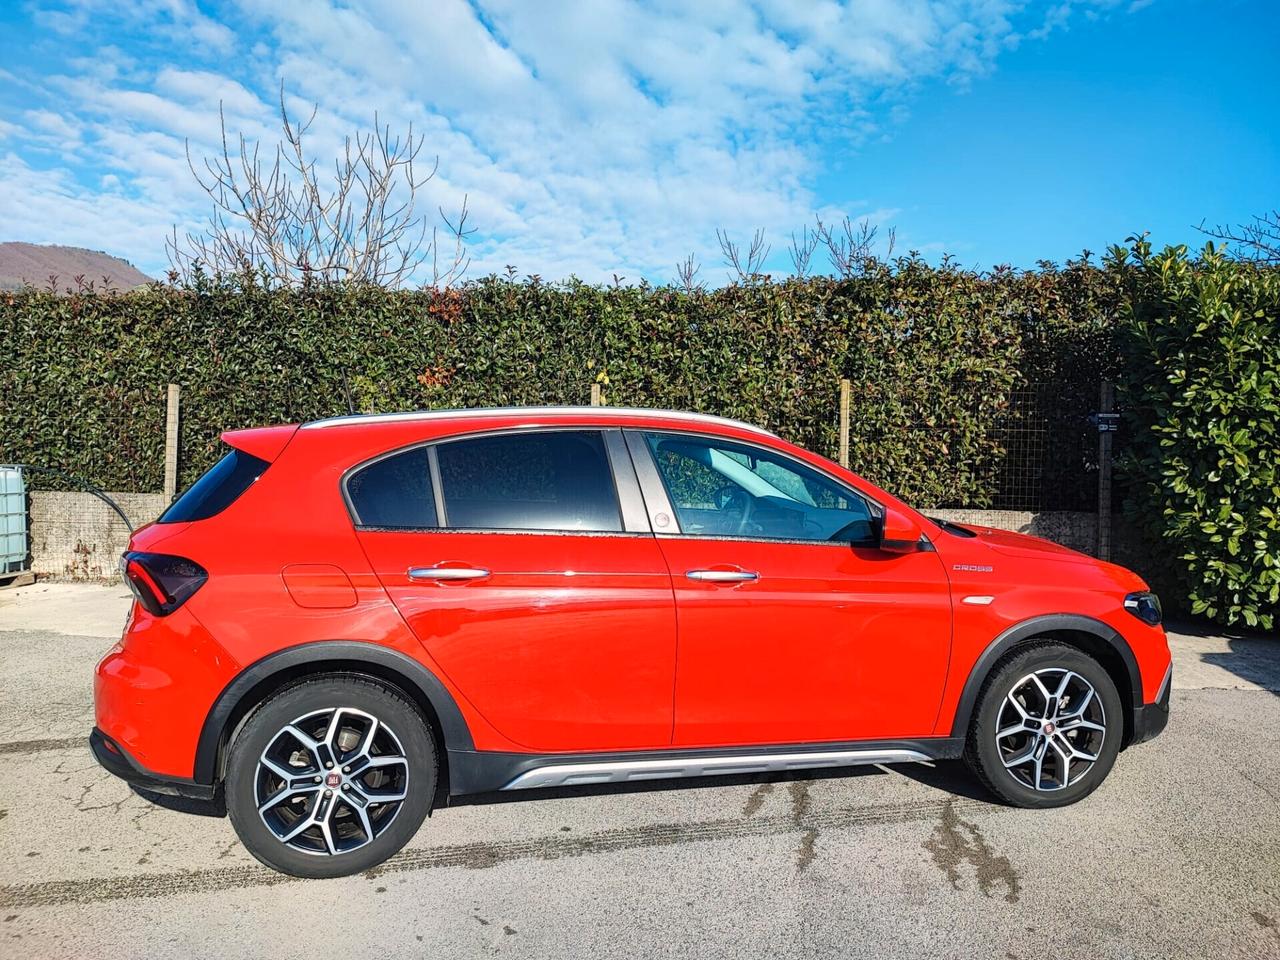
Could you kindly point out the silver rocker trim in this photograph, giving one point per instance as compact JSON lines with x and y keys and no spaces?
{"x":622,"y":771}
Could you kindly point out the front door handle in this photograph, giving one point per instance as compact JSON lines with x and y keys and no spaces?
{"x":447,"y":573}
{"x":723,"y":576}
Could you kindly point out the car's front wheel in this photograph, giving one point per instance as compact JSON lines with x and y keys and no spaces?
{"x":330,"y":777}
{"x":1048,"y":727}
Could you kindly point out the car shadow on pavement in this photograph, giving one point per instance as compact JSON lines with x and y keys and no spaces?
{"x":948,"y":776}
{"x":200,"y":808}
{"x":1252,"y":656}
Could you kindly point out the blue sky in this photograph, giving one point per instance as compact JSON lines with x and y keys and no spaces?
{"x":616,"y":137}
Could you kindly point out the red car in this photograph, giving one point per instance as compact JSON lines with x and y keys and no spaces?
{"x":344,"y":622}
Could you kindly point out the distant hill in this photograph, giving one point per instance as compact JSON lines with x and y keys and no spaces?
{"x":31,"y":264}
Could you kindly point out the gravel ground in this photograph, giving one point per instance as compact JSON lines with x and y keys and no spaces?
{"x":1177,"y":855}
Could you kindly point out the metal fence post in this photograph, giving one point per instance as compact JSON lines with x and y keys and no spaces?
{"x":171,"y":444}
{"x":844,"y":423}
{"x":1106,"y":427}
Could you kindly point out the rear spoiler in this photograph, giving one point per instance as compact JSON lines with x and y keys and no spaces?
{"x":265,"y":443}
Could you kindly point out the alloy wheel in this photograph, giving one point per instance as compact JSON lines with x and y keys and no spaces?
{"x":1050,"y":729}
{"x":331,"y":781}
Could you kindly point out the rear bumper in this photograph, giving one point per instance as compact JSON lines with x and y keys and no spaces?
{"x":153,"y":690}
{"x":116,"y":760}
{"x":1151,"y":718}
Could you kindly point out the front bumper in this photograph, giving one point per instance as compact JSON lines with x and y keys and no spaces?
{"x":1151,"y":718}
{"x":117,"y":761}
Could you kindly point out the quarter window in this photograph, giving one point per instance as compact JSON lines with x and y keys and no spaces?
{"x":395,"y":492}
{"x":551,"y":480}
{"x":221,"y":485}
{"x":726,"y":489}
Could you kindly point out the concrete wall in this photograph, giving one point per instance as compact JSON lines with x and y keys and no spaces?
{"x":75,"y":536}
{"x":1075,"y":529}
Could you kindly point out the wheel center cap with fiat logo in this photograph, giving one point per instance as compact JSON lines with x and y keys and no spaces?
{"x":1049,"y":728}
{"x":333,"y":779}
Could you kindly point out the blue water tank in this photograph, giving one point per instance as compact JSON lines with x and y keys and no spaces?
{"x":13,"y":520}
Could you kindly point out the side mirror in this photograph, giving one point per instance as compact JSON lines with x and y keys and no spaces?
{"x":899,"y":533}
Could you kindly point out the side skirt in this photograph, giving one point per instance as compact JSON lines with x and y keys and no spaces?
{"x":478,"y":771}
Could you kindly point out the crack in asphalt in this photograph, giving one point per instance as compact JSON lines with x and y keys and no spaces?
{"x":798,"y":790}
{"x":486,"y":854}
{"x":1265,"y":922}
{"x":756,"y":800}
{"x":956,"y":841}
{"x":805,"y":852}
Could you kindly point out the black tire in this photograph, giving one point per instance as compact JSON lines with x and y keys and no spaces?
{"x":987,"y":759}
{"x":397,"y":718}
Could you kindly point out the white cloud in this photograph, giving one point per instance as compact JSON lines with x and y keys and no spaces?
{"x":591,"y":138}
{"x":49,"y":206}
{"x":55,"y":125}
{"x":179,"y":21}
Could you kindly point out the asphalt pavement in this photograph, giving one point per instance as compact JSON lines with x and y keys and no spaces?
{"x":1177,"y":855}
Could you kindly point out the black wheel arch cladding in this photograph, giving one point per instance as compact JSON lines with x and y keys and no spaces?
{"x":1103,"y":644}
{"x":265,"y":677}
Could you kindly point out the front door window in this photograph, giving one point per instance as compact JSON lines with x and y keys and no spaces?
{"x":724,"y":489}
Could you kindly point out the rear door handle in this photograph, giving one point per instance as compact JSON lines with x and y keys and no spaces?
{"x":447,"y":573}
{"x":723,"y":576}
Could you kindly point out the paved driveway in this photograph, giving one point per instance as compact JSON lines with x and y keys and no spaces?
{"x":1177,"y":855}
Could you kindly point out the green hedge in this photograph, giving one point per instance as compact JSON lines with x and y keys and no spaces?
{"x":940,"y":360}
{"x":933,"y":353}
{"x":1202,"y":386}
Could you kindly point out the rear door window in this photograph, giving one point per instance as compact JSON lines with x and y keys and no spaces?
{"x":546,"y":480}
{"x":221,"y":485}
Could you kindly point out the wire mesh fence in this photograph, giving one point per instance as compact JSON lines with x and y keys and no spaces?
{"x":1049,"y":457}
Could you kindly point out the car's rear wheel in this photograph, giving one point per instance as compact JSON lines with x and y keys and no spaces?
{"x":330,"y":777}
{"x":1047,"y":728}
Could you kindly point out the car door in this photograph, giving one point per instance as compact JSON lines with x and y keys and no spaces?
{"x":527,"y":570}
{"x":793,"y":626}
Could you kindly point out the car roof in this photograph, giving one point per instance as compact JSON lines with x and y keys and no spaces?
{"x":537,"y":415}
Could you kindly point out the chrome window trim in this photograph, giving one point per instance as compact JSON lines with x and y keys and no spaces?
{"x":433,"y":463}
{"x":728,"y":538}
{"x":373,"y":528}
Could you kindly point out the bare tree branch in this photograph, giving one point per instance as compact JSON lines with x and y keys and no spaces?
{"x":801,"y":251}
{"x":849,"y":246}
{"x":443,"y":278}
{"x":750,"y":268}
{"x":1258,"y":241}
{"x":686,"y":274}
{"x":280,"y":217}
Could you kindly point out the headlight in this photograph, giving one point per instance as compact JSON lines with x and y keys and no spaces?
{"x":1145,"y":606}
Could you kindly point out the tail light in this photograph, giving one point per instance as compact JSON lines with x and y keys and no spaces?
{"x":162,"y":583}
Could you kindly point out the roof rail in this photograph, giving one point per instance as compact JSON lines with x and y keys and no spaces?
{"x":605,"y":413}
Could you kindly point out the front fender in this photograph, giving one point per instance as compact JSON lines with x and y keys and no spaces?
{"x":1129,"y":683}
